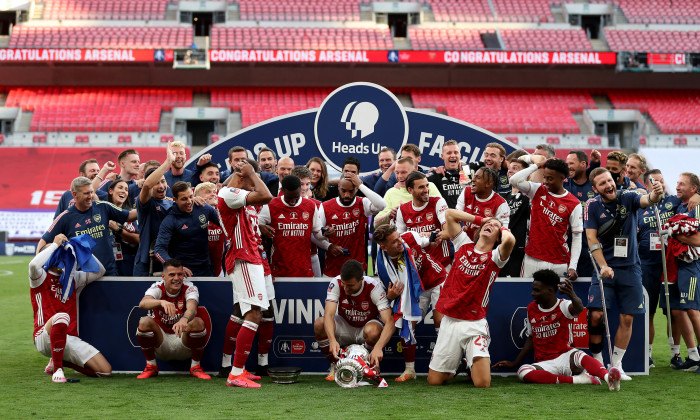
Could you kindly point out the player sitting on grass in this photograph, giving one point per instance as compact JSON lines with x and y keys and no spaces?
{"x":549,"y":333}
{"x":174,"y":331}
{"x":53,"y":294}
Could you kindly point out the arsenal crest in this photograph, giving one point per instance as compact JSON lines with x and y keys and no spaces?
{"x":365,"y":305}
{"x":180,"y":304}
{"x":97,"y":218}
{"x":356,"y":212}
{"x":305,"y":215}
{"x":562,"y":208}
{"x":483,"y":257}
{"x":429,"y":217}
{"x":488,"y":213}
{"x":202,"y":218}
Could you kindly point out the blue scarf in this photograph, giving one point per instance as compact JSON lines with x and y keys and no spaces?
{"x":408,"y":303}
{"x":76,"y":253}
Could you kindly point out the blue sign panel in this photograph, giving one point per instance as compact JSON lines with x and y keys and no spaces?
{"x":357,"y":119}
{"x":108,"y":316}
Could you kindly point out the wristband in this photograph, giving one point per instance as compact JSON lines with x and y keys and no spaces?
{"x":185,"y":316}
{"x":504,"y":228}
{"x":101,"y":179}
{"x":478,"y":220}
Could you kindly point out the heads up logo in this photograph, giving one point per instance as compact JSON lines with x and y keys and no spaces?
{"x":359,"y":119}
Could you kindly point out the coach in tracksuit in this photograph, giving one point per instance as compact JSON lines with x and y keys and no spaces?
{"x":184,"y":233}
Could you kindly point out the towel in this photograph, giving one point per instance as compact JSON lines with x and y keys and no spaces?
{"x":71,"y":256}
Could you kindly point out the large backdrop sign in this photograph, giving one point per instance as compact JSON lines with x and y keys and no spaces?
{"x":357,"y":119}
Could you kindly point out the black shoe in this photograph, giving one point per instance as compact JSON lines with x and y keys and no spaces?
{"x":261,"y":370}
{"x":688,"y":365}
{"x":224,"y":372}
{"x":676,"y":361}
{"x":651,"y":362}
{"x":462,"y":368}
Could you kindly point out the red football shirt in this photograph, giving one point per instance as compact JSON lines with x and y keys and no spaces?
{"x":550,"y":329}
{"x":291,"y":245}
{"x":551,"y":218}
{"x":428,"y":218}
{"x":217,"y":240}
{"x":350,"y":224}
{"x":493,"y":206}
{"x":157,"y":291}
{"x":240,"y":223}
{"x":361,"y":307}
{"x":465,"y":294}
{"x":431,"y":272}
{"x":46,"y":292}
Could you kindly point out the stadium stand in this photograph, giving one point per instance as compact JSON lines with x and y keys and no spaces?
{"x":546,"y":39}
{"x":96,"y":110}
{"x":673,"y":111}
{"x":658,"y":11}
{"x":105,"y":9}
{"x":653,"y":40}
{"x":302,"y":38}
{"x":501,"y":110}
{"x":295,"y":10}
{"x":523,"y":10}
{"x":101,"y":37}
{"x":462,"y":11}
{"x":257,"y":105}
{"x":446,"y":39}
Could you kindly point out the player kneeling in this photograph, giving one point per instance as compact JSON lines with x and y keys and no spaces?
{"x":174,"y":331}
{"x":53,"y":294}
{"x":356,"y":312}
{"x":549,"y":333}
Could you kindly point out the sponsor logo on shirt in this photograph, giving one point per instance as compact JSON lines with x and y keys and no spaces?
{"x":77,"y":225}
{"x":183,"y":227}
{"x":281,"y":216}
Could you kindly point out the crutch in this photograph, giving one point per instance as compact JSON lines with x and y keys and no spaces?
{"x":605,"y":307}
{"x":663,"y":265}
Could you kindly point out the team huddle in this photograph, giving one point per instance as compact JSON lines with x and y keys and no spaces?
{"x":438,"y":241}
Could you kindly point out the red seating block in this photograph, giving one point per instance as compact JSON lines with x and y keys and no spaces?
{"x":124,"y":139}
{"x":512,"y":139}
{"x":167,"y":138}
{"x":39,"y":138}
{"x":594,"y":140}
{"x":553,"y":140}
{"x":680,"y":141}
{"x":214,"y":138}
{"x":642,"y":141}
{"x":82,"y":139}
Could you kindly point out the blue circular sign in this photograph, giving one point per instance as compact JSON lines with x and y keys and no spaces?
{"x":359,"y":119}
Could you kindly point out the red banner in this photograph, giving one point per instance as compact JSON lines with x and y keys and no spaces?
{"x":84,"y":55}
{"x":47,"y":172}
{"x":666,"y":59}
{"x":418,"y":57}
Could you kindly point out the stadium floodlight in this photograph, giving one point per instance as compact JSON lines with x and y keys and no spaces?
{"x":605,"y":307}
{"x":663,"y":266}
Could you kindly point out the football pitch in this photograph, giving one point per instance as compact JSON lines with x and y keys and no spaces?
{"x":28,"y":393}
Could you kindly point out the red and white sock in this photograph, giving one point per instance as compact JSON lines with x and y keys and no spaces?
{"x":265,"y":330}
{"x":58,"y":336}
{"x":409,"y":355}
{"x":593,"y":367}
{"x":325,"y":347}
{"x":232,"y":329}
{"x":244,"y":341}
{"x":544,"y":377}
{"x":197,"y":340}
{"x":147,"y":341}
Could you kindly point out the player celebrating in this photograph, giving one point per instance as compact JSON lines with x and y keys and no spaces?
{"x":53,"y":293}
{"x":244,"y":265}
{"x":408,"y":270}
{"x":424,"y":214}
{"x":464,"y":298}
{"x":610,"y":220}
{"x":357,"y":312}
{"x":173,"y":331}
{"x":481,"y":200}
{"x":348,"y":216}
{"x":554,"y":212}
{"x":549,"y":333}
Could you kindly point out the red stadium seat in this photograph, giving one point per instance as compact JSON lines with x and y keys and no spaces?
{"x":124,"y":139}
{"x":39,"y":138}
{"x":82,"y":139}
{"x":553,"y":140}
{"x":594,"y":140}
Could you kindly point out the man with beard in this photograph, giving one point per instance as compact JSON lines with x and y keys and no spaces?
{"x":616,"y":166}
{"x":481,"y":200}
{"x":348,"y":215}
{"x":267,"y":161}
{"x":610,"y":222}
{"x":580,"y":186}
{"x":494,"y":157}
{"x":177,"y":171}
{"x":398,"y":194}
{"x":451,"y":180}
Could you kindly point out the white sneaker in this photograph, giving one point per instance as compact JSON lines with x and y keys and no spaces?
{"x":585,"y":378}
{"x":623,"y":375}
{"x":58,"y":376}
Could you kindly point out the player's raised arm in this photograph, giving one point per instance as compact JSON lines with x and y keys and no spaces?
{"x":154,"y":178}
{"x":576,"y":306}
{"x":261,"y":194}
{"x":36,"y":265}
{"x":454,"y":217}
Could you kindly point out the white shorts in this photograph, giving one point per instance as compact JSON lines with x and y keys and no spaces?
{"x":269,"y":287}
{"x":531,"y":265}
{"x":429,"y":299}
{"x":346,"y":334}
{"x":249,"y":287}
{"x":561,"y":365}
{"x":458,"y":337}
{"x":172,"y":348}
{"x":76,"y":351}
{"x":316,"y":265}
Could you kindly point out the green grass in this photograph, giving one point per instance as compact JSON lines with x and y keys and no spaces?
{"x":26,"y":392}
